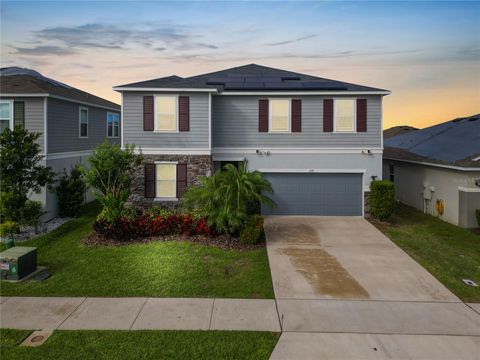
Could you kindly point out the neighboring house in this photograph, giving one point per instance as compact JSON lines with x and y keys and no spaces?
{"x":318,"y":141}
{"x":71,"y":122}
{"x":437,"y":169}
{"x":397,"y":130}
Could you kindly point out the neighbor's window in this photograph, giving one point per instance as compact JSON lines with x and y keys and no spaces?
{"x":83,"y":122}
{"x":391,"y":169}
{"x":113,"y":124}
{"x":6,"y":115}
{"x":279,"y":115}
{"x":165,"y":113}
{"x":166,"y":175}
{"x":344,"y":115}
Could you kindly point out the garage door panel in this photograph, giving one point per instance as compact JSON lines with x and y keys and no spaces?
{"x":316,"y":194}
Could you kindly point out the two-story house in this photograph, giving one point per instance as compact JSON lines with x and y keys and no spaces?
{"x":71,"y":122}
{"x":318,"y":141}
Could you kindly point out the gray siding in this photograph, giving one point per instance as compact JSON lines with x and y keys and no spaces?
{"x":63,"y":127}
{"x":197,"y":137}
{"x":33,"y":115}
{"x":235,"y":124}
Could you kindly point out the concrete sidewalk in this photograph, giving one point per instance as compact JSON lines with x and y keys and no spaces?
{"x":50,"y":313}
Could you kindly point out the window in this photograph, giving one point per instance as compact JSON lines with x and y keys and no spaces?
{"x":166,"y":113}
{"x":83,"y":121}
{"x":391,"y":169}
{"x":279,"y":116}
{"x":6,"y":114}
{"x":166,"y":175}
{"x":113,"y":124}
{"x":344,"y":115}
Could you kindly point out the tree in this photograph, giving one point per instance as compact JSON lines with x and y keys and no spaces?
{"x":224,"y":197}
{"x":110,"y":173}
{"x":21,"y":170}
{"x":71,"y":192}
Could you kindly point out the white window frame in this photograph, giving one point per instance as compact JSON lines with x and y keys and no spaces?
{"x":10,"y":112}
{"x":80,"y":108}
{"x":354,"y":131}
{"x":113,"y":125}
{"x":166,"y":198}
{"x":155,"y":114}
{"x":270,"y":116}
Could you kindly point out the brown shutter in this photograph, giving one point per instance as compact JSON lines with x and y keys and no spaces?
{"x":181,"y":179}
{"x":148,"y":113}
{"x":328,"y":115}
{"x":184,"y":113}
{"x":296,"y":115}
{"x":149,"y":180}
{"x":19,"y":113}
{"x":361,"y":115}
{"x":263,"y":115}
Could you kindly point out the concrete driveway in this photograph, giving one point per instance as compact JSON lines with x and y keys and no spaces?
{"x":343,"y":258}
{"x":345,"y":291}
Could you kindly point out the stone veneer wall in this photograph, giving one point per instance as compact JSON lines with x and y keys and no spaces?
{"x":197,"y":165}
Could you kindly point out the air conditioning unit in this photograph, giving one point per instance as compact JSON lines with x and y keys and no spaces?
{"x":18,"y":262}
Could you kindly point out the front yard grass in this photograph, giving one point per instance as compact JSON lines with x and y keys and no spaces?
{"x":193,"y":345}
{"x":449,"y":252}
{"x":162,"y":269}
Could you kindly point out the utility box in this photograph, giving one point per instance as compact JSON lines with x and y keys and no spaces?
{"x":18,"y":262}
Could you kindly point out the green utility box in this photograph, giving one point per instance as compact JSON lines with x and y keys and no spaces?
{"x":17,"y":262}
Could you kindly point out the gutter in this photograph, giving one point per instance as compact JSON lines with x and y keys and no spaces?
{"x":451,"y":167}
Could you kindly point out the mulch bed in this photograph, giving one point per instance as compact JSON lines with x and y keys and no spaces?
{"x":225,"y":242}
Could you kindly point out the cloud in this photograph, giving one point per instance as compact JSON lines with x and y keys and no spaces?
{"x":43,"y":50}
{"x":113,"y":37}
{"x":291,"y":41}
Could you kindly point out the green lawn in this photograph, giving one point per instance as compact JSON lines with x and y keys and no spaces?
{"x":449,"y":252}
{"x":168,"y":269}
{"x":141,"y":345}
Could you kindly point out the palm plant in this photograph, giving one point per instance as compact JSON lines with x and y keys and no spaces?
{"x":223,"y":198}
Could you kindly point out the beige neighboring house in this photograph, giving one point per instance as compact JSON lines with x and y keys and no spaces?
{"x":437,"y":169}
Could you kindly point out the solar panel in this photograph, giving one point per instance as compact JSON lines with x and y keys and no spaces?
{"x":323,"y":85}
{"x":287,"y":78}
{"x":243,"y":86}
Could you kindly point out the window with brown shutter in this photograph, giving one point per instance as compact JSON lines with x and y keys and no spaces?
{"x":181,"y":179}
{"x":150,"y":180}
{"x":328,"y":115}
{"x":184,"y":113}
{"x":296,"y":115}
{"x":361,"y":115}
{"x":148,"y":113}
{"x":263,"y":115}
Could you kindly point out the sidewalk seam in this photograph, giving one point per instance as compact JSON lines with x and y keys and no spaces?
{"x":211,"y":315}
{"x":68,"y":317}
{"x":138,"y":314}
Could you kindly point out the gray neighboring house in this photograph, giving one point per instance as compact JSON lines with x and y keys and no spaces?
{"x":72,"y":122}
{"x":318,"y":141}
{"x":438,"y":165}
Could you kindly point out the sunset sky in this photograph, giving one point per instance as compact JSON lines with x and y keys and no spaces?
{"x":426,"y":53}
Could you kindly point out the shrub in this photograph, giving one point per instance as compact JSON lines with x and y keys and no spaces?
{"x":31,"y":213}
{"x":20,"y":170}
{"x":252,"y":232}
{"x":71,"y":192}
{"x":9,"y":228}
{"x":110,"y":174}
{"x":477,"y":213}
{"x":382,"y":199}
{"x":223,"y":198}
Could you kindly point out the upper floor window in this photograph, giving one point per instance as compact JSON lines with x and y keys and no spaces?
{"x":6,"y":114}
{"x":113,"y":124}
{"x":166,"y":117}
{"x":83,"y":115}
{"x":279,"y":115}
{"x":166,"y":177}
{"x":344,"y":115}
